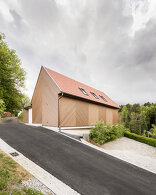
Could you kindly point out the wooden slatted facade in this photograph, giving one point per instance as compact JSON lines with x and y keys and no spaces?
{"x":76,"y":112}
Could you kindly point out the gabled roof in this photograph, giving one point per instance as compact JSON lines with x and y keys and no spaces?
{"x":72,"y":87}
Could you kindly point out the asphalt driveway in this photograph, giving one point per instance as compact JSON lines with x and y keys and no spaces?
{"x":86,"y":170}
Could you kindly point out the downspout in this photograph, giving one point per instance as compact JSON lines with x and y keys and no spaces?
{"x":59,"y":111}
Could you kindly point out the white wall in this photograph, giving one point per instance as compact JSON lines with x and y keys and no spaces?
{"x":30,"y":116}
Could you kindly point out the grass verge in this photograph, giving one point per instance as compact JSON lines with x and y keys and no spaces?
{"x":146,"y":140}
{"x":11,"y":176}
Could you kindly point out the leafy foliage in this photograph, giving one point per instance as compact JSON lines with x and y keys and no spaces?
{"x":153,"y":132}
{"x":21,"y":115}
{"x":2,"y":107}
{"x":25,"y":100}
{"x":12,"y":78}
{"x":146,"y":140}
{"x":102,"y":133}
{"x":138,"y":118}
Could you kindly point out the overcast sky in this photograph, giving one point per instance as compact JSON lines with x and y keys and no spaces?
{"x":107,"y":44}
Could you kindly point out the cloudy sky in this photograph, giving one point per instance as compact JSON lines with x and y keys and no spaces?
{"x":107,"y":44}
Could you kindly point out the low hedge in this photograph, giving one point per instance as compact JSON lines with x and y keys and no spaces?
{"x":146,"y":140}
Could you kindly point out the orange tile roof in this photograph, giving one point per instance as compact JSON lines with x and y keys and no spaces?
{"x":71,"y":86}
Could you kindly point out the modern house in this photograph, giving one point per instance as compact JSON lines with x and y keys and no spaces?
{"x":60,"y":101}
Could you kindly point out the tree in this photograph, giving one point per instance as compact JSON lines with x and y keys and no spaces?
{"x":136,"y":108}
{"x":138,"y":118}
{"x":12,"y":77}
{"x":26,"y":100}
{"x":147,"y":104}
{"x":153,"y":131}
{"x":2,"y":107}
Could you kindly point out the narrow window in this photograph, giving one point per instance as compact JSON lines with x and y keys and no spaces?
{"x":94,"y":95}
{"x":83,"y":91}
{"x":103,"y":98}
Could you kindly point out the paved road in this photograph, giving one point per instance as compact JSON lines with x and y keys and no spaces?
{"x":86,"y":170}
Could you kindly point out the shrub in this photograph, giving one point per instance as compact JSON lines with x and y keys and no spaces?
{"x":146,"y":140}
{"x":135,"y":127}
{"x":2,"y":106}
{"x":102,"y":133}
{"x":153,"y":131}
{"x":21,"y":115}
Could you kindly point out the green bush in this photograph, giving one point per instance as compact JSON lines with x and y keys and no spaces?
{"x":21,"y":115}
{"x":153,"y":131}
{"x":146,"y":140}
{"x":102,"y":133}
{"x":2,"y":106}
{"x":135,"y":126}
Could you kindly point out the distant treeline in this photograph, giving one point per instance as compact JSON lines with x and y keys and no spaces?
{"x":138,"y":118}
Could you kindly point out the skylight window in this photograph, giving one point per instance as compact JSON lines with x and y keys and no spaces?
{"x":103,"y":98}
{"x":83,"y":91}
{"x":94,"y":95}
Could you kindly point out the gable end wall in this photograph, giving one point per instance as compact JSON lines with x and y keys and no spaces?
{"x":45,"y":101}
{"x":37,"y":100}
{"x":49,"y":101}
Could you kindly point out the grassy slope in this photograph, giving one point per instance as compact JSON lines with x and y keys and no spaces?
{"x":12,"y":174}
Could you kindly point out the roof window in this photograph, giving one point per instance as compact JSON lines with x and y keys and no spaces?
{"x":83,"y":91}
{"x":94,"y":95}
{"x":103,"y":98}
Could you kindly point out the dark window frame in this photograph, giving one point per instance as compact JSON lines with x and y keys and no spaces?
{"x":103,"y":98}
{"x":83,"y":91}
{"x":94,"y":95}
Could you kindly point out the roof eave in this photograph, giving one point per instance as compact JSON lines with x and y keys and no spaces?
{"x":87,"y":100}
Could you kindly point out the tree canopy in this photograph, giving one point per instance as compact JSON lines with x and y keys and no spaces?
{"x":2,"y":107}
{"x":138,"y":118}
{"x":12,"y":78}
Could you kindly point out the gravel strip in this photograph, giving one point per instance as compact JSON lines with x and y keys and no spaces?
{"x":134,"y":152}
{"x":37,"y":185}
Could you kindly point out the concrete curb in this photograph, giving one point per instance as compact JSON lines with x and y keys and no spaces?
{"x":57,"y":186}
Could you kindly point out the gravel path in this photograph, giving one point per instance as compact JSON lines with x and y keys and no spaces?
{"x":37,"y":185}
{"x":137,"y":153}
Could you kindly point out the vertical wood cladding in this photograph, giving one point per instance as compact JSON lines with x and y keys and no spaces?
{"x":67,"y":112}
{"x":49,"y":101}
{"x":79,"y":113}
{"x":45,"y":101}
{"x":37,"y":100}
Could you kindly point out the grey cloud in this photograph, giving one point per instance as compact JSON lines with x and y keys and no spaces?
{"x":89,"y":42}
{"x":39,"y":14}
{"x":16,"y":16}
